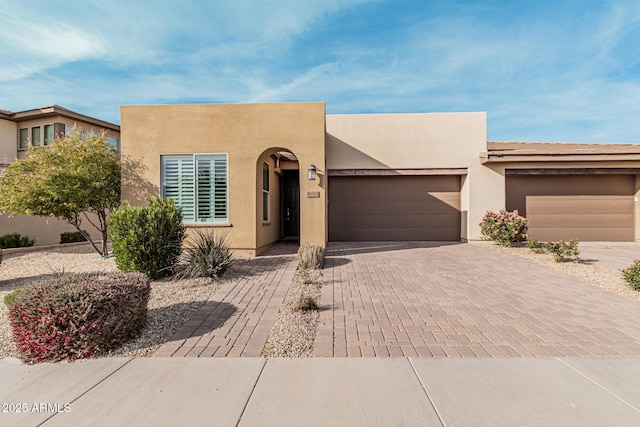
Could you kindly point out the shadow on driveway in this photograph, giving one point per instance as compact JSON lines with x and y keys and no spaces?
{"x":353,"y":248}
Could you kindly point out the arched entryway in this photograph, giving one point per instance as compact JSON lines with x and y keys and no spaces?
{"x":277,"y":197}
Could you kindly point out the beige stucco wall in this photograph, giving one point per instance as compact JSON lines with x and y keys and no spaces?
{"x":420,"y":141}
{"x":8,"y":141}
{"x":405,"y":141}
{"x":268,"y":231}
{"x":637,"y":210}
{"x":244,"y":132}
{"x":46,"y":231}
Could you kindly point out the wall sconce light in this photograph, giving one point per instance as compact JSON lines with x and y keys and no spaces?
{"x":311,"y":172}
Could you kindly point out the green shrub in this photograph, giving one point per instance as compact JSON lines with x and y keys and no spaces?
{"x":208,"y":255}
{"x":78,"y":316}
{"x":535,"y":246}
{"x":311,"y":255}
{"x":0,"y":256}
{"x":72,"y":237}
{"x":504,"y":227}
{"x":561,"y":251}
{"x":15,"y":240}
{"x":11,"y":296}
{"x":632,"y":275}
{"x":147,"y":239}
{"x":306,"y":303}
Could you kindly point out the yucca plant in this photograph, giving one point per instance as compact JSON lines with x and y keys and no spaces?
{"x":208,"y":255}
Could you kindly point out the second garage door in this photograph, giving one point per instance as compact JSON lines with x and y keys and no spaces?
{"x":584,"y":207}
{"x":378,"y":208}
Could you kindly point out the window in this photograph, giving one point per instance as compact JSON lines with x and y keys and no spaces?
{"x":49,"y":134}
{"x":265,"y":192}
{"x":198,"y":184}
{"x":114,"y":142}
{"x":23,"y":139}
{"x":68,"y":129}
{"x":35,"y":136}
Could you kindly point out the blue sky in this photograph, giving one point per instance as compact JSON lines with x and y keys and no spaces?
{"x":543,"y":71}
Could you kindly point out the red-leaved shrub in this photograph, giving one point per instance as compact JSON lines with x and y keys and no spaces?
{"x":79,"y":316}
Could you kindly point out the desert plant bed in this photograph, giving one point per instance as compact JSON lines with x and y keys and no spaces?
{"x":171,"y":303}
{"x":294,"y":330}
{"x":602,"y":277}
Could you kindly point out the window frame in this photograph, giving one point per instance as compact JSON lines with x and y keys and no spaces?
{"x":194,"y":158}
{"x":114,"y":141}
{"x":266,"y":193}
{"x":21,"y":146}
{"x":45,"y":139}
{"x":33,"y":136}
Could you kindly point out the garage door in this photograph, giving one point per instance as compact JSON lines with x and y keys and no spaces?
{"x":374,"y":208}
{"x":584,"y":207}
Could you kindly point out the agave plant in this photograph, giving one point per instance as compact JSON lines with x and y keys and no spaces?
{"x":208,"y":255}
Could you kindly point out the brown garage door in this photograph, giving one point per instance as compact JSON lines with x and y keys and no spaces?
{"x":584,"y":207}
{"x":374,"y":208}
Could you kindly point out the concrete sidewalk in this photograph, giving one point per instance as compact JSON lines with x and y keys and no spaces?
{"x":322,"y":392}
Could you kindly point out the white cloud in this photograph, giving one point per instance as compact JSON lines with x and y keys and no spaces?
{"x":299,"y":83}
{"x":28,"y":47}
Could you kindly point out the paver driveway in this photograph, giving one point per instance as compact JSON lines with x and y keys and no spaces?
{"x":430,"y":299}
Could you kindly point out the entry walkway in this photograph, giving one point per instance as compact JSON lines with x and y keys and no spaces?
{"x":463,"y":300}
{"x":238,"y":318}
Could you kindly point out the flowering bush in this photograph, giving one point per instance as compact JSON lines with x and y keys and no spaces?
{"x":78,"y":316}
{"x":504,"y":227}
{"x":632,"y":275}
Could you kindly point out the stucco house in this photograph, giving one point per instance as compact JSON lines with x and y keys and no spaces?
{"x":40,"y":127}
{"x":266,"y":172}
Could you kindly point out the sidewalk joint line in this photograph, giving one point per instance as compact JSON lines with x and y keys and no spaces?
{"x":599,"y":385}
{"x":253,"y":389}
{"x":426,"y":392}
{"x":90,"y":388}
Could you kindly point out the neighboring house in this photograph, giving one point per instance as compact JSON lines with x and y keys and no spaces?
{"x":582,"y":191}
{"x":40,"y":127}
{"x":266,"y":172}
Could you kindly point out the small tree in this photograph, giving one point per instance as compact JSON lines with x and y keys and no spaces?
{"x":69,"y":180}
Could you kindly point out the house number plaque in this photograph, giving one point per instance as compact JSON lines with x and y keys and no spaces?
{"x":313,"y":194}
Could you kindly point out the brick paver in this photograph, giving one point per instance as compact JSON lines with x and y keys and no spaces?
{"x":237,"y":319}
{"x":464,"y":300}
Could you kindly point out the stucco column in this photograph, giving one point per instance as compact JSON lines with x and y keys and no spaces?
{"x":486,"y":191}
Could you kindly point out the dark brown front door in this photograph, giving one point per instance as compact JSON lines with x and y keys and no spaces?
{"x":291,"y":203}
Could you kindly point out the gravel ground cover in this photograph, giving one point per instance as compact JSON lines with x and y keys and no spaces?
{"x":602,"y":277}
{"x":171,"y":303}
{"x":293,"y":332}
